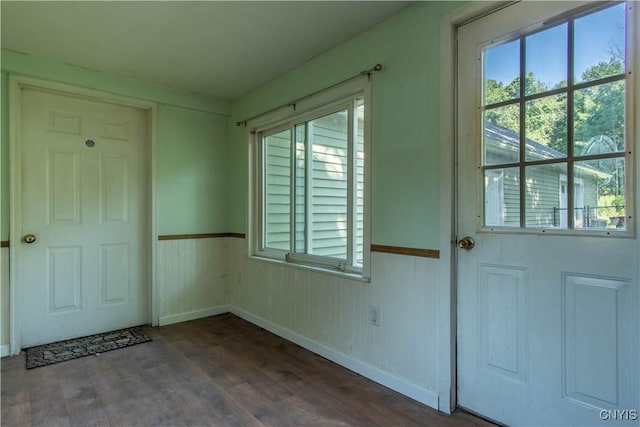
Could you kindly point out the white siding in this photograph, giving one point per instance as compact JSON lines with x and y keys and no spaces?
{"x":327,"y":186}
{"x":278,"y":190}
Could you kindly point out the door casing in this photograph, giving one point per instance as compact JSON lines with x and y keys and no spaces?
{"x":16,"y":84}
{"x":447,"y":287}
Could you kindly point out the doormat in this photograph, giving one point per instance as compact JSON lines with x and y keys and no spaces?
{"x":56,"y":352}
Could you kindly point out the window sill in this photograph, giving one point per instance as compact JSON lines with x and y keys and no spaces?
{"x":350,"y":276}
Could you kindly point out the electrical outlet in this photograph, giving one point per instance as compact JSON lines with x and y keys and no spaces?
{"x":374,"y":315}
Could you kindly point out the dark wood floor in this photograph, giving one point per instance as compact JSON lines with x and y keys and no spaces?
{"x":218,"y":371}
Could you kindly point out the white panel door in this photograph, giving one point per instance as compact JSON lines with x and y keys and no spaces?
{"x":548,"y":298}
{"x":84,"y":177}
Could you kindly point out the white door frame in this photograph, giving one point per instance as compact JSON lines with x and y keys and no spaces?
{"x":447,"y":286}
{"x":16,"y":84}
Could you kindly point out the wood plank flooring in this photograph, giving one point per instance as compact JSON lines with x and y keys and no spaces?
{"x":217,"y":371}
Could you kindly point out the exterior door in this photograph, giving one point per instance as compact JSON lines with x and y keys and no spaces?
{"x":84,"y":177}
{"x":548,"y":325}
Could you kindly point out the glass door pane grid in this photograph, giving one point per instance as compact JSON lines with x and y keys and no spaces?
{"x":569,"y":91}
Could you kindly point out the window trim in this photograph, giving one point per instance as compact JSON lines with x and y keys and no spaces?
{"x":334,"y":99}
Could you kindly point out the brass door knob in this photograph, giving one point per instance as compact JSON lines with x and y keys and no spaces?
{"x":29,"y":238}
{"x":466,"y":243}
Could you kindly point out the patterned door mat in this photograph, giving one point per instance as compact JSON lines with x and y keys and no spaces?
{"x":56,"y":352}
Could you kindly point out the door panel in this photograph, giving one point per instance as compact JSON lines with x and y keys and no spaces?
{"x":594,"y":314}
{"x":548,"y":324}
{"x":83,"y":192}
{"x":63,"y":278}
{"x":503,"y":309}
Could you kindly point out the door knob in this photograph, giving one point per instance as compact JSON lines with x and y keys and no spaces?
{"x":466,"y":243}
{"x":29,"y":238}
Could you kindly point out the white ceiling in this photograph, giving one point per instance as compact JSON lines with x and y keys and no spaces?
{"x":218,"y":48}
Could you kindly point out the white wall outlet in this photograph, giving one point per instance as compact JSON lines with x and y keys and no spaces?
{"x":374,"y":315}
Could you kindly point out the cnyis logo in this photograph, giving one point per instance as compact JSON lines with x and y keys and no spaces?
{"x":619,"y":414}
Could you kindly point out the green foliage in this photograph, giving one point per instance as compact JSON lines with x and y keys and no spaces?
{"x":612,"y":67}
{"x":546,"y":122}
{"x":598,"y":116}
{"x":611,"y":206}
{"x":598,"y":110}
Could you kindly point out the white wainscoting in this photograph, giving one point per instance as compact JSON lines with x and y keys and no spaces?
{"x":192,"y":278}
{"x":330,"y":315}
{"x":4,"y":302}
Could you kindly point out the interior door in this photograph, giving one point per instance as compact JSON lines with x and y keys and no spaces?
{"x":83,"y":255}
{"x":548,"y":325}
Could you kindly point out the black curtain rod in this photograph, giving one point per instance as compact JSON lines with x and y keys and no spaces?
{"x":368,"y":72}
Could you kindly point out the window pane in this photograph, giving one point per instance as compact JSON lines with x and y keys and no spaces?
{"x":277,"y":170}
{"x":599,"y":43}
{"x":546,"y":60}
{"x":599,"y":198}
{"x":501,"y":142}
{"x":544,"y":201}
{"x":300,"y":196}
{"x":501,"y":72}
{"x":502,"y":197}
{"x":359,"y":205}
{"x":598,"y":118}
{"x":546,"y":128}
{"x":329,"y":175}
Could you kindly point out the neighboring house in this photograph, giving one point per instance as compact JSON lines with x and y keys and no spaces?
{"x":547,"y":193}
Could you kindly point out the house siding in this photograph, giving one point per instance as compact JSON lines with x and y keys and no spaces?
{"x":326,"y":192}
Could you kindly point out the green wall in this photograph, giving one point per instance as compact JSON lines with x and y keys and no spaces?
{"x":192,"y":181}
{"x":192,"y":144}
{"x":405,"y":120}
{"x":4,"y":158}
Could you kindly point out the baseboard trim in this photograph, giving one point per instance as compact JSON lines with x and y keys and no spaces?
{"x":421,"y":394}
{"x":192,"y":315}
{"x":5,"y":350}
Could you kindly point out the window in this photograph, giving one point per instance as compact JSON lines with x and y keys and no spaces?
{"x":310,"y":184}
{"x":554,"y":111}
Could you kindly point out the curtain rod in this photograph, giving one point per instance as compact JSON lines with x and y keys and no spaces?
{"x":376,"y":68}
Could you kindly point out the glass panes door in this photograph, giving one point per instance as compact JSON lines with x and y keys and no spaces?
{"x":553,"y":112}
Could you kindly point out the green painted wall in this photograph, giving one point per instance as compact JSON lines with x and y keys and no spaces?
{"x":35,"y":66}
{"x":193,"y":169}
{"x":192,"y":144}
{"x":405,"y":120}
{"x":4,"y":158}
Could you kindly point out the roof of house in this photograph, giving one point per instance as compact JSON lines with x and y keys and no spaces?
{"x":510,"y":139}
{"x":500,"y":138}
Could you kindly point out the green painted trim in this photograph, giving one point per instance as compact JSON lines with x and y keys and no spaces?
{"x":46,"y":69}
